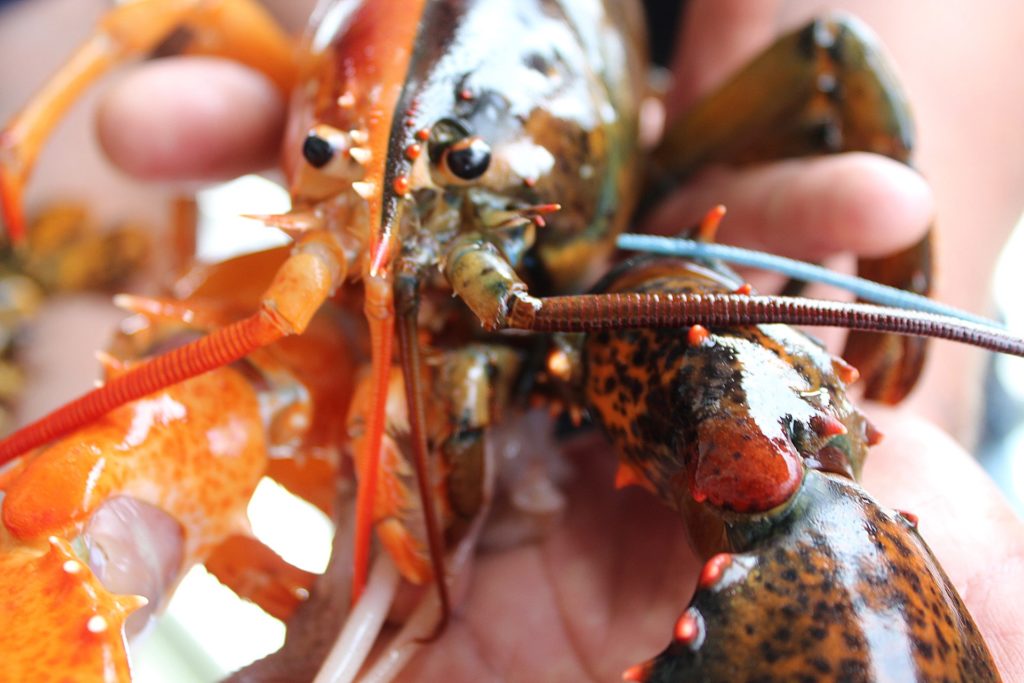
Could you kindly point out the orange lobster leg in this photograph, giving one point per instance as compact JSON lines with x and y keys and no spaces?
{"x":255,"y":572}
{"x":239,"y":29}
{"x":299,"y":288}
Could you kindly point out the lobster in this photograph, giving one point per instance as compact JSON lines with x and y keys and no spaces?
{"x":419,"y":168}
{"x":68,"y":254}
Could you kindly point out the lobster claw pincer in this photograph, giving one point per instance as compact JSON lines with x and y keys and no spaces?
{"x":748,"y":432}
{"x":828,"y":587}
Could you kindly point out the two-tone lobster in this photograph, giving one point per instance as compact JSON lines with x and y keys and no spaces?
{"x":488,"y":149}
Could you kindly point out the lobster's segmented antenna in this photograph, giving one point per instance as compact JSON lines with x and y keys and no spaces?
{"x":800,"y":270}
{"x":592,"y":312}
{"x":220,"y":348}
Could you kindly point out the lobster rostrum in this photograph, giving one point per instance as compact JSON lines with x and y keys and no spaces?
{"x":423,"y":161}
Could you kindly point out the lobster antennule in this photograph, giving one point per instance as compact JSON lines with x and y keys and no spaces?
{"x":390,"y":28}
{"x":379,"y":307}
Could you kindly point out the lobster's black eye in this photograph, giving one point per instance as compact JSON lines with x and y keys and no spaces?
{"x":444,"y":134}
{"x":318,"y":152}
{"x":468,"y":159}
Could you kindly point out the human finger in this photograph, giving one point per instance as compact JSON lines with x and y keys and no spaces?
{"x":715,"y":38}
{"x":809,"y":208}
{"x":196,"y":118}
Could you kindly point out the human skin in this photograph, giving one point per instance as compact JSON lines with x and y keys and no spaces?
{"x":603,"y":590}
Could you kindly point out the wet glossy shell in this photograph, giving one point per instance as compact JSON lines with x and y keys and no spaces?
{"x":837,"y":590}
{"x":730,"y":416}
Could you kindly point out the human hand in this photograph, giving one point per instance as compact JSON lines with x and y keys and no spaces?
{"x":603,"y":591}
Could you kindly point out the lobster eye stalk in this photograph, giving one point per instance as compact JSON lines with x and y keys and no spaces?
{"x":317,"y":150}
{"x":443,"y":134}
{"x":456,"y":156}
{"x":331,"y":150}
{"x":467,"y":159}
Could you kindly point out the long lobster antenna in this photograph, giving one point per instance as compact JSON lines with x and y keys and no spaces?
{"x":299,"y":287}
{"x":591,"y":312}
{"x":220,"y":348}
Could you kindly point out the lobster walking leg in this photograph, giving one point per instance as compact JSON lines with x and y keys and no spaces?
{"x":824,"y":88}
{"x":256,"y":573}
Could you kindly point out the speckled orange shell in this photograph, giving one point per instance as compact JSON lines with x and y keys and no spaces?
{"x":195,"y":450}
